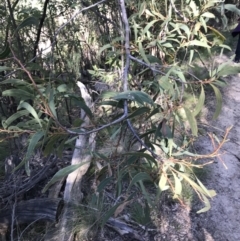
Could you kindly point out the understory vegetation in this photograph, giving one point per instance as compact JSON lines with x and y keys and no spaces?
{"x":148,"y":68}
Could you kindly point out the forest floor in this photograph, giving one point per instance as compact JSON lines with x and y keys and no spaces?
{"x":173,"y":222}
{"x":221,"y":222}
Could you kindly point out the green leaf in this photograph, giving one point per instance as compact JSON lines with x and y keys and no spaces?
{"x":139,"y":111}
{"x":233,"y":8}
{"x":141,"y":154}
{"x":209,"y":193}
{"x":142,"y":8}
{"x":178,"y":185}
{"x":18,"y":93}
{"x":14,"y":128}
{"x":153,"y":59}
{"x":5,"y":52}
{"x":33,"y":142}
{"x":180,"y":74}
{"x":146,"y":194}
{"x":63,"y":173}
{"x":30,"y":125}
{"x":225,"y":47}
{"x":208,"y":15}
{"x":30,"y":109}
{"x":203,"y":22}
{"x":163,"y":181}
{"x":182,"y":152}
{"x":219,"y":101}
{"x":207,"y":205}
{"x":79,"y":101}
{"x":62,"y":88}
{"x":165,"y":83}
{"x":138,"y":96}
{"x":116,"y":132}
{"x":167,"y":45}
{"x":228,"y":70}
{"x":3,"y":68}
{"x":196,"y":186}
{"x":14,"y":81}
{"x":158,"y":14}
{"x":148,"y":26}
{"x":27,"y":22}
{"x":191,"y":56}
{"x":154,"y":112}
{"x":52,"y":104}
{"x":217,"y":33}
{"x":109,"y":213}
{"x":192,"y":121}
{"x":104,"y":183}
{"x":186,"y":29}
{"x":197,"y":43}
{"x":101,"y":156}
{"x":200,"y":103}
{"x":220,"y":83}
{"x":135,"y":29}
{"x":106,"y":46}
{"x":112,"y":103}
{"x":13,"y":117}
{"x":142,"y":53}
{"x":52,"y":142}
{"x":139,"y":177}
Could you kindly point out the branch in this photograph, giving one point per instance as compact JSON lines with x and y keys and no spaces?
{"x":40,"y":29}
{"x":125,"y":72}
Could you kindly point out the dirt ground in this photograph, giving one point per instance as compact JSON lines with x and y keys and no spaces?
{"x":222,"y":221}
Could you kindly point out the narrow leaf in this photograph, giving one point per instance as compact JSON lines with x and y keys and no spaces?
{"x":63,"y":173}
{"x":208,"y":15}
{"x":207,"y":205}
{"x":141,"y":154}
{"x":27,"y":22}
{"x":142,"y":52}
{"x":146,"y":194}
{"x":3,"y":68}
{"x":14,"y":81}
{"x":200,"y":103}
{"x":30,"y":109}
{"x":103,"y":184}
{"x":18,"y":93}
{"x":106,"y":46}
{"x":191,"y":56}
{"x":210,"y":193}
{"x":197,"y":43}
{"x":33,"y":142}
{"x":139,"y":111}
{"x":13,"y":117}
{"x":109,"y":213}
{"x":228,"y":70}
{"x":163,"y":181}
{"x":178,"y":185}
{"x":148,"y":26}
{"x":139,"y":177}
{"x":218,"y":101}
{"x":52,"y":104}
{"x":192,"y":121}
{"x":5,"y":52}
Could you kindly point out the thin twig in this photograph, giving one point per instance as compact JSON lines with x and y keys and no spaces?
{"x":13,"y":218}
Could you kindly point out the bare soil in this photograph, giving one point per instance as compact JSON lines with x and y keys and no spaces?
{"x":222,"y":221}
